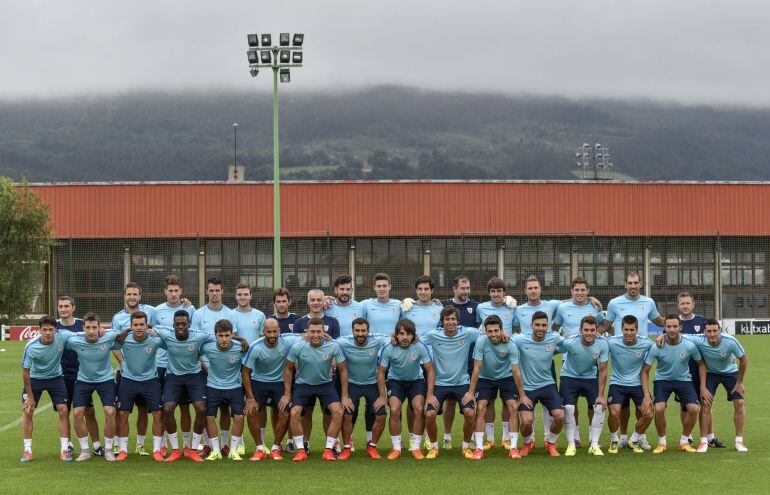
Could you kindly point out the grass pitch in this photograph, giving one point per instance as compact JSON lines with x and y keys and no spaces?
{"x":718,"y":471}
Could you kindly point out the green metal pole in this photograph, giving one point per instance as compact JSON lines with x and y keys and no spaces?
{"x":277,"y":280}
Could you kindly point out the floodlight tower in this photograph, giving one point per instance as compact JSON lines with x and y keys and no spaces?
{"x":287,"y":54}
{"x":594,"y":161}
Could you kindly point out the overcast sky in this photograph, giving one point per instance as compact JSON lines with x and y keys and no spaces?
{"x":684,"y":50}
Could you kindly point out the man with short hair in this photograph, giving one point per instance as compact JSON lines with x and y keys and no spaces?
{"x":536,"y":352}
{"x":95,"y":374}
{"x":312,"y":360}
{"x":423,"y":311}
{"x":673,"y":376}
{"x":585,"y":357}
{"x":719,"y":352}
{"x":381,"y":311}
{"x":496,"y":371}
{"x":450,"y":345}
{"x":627,"y":352}
{"x":223,"y":385}
{"x":568,"y":316}
{"x":281,"y":305}
{"x":262,"y":377}
{"x":362,"y":354}
{"x":40,"y":372}
{"x":693,"y":324}
{"x":249,"y":321}
{"x":164,"y":316}
{"x":522,"y":317}
{"x":315,"y":304}
{"x":343,"y":307}
{"x":139,"y":383}
{"x":643,"y":308}
{"x":183,"y":377}
{"x":402,"y":363}
{"x":132,"y":297}
{"x":65,"y":308}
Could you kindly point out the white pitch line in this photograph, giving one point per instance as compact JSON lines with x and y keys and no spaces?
{"x":16,"y":423}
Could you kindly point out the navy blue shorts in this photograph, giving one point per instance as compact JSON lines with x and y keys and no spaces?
{"x":178,"y":387}
{"x":548,"y":396}
{"x":489,"y":389}
{"x":139,"y":400}
{"x":215,"y":397}
{"x":662,"y":390}
{"x":55,"y":387}
{"x":369,"y":393}
{"x":406,"y":389}
{"x":267,"y":394}
{"x":305,"y":395}
{"x":623,"y":395}
{"x":695,"y":373}
{"x":572,"y":388}
{"x":443,"y":393}
{"x":70,"y":385}
{"x":84,"y":391}
{"x":713,"y":380}
{"x":147,"y":393}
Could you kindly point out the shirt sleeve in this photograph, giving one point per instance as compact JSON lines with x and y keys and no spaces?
{"x":553,"y":306}
{"x":604,"y":353}
{"x":516,"y":322}
{"x":737,"y":348}
{"x":611,"y":312}
{"x":653,"y":311}
{"x":294,"y":353}
{"x":26,"y":360}
{"x":385,"y":356}
{"x":424,"y":354}
{"x":598,"y":315}
{"x":514,"y":354}
{"x":338,"y":354}
{"x":652,"y":353}
{"x":558,"y":319}
{"x":478,"y":352}
{"x":195,"y":321}
{"x":561,"y":346}
{"x":695,"y":353}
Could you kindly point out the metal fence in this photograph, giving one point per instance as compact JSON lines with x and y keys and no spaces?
{"x":727,"y":276}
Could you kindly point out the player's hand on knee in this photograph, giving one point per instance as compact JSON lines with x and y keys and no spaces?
{"x":468,"y":397}
{"x":284,"y":402}
{"x":705,"y":396}
{"x":379,"y":402}
{"x":347,"y":404}
{"x":432,"y":401}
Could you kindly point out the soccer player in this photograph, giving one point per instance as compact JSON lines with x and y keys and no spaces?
{"x":693,"y":324}
{"x":223,"y":385}
{"x":382,"y":312}
{"x":65,"y":307}
{"x":183,"y":376}
{"x":461,"y":288}
{"x":139,"y":383}
{"x":583,"y":355}
{"x":262,"y":377}
{"x":450,"y":345}
{"x":203,"y":320}
{"x":536,"y":352}
{"x":343,"y":307}
{"x":522,"y":316}
{"x":164,"y":316}
{"x":423,"y":312}
{"x":132,"y":297}
{"x":362,"y":353}
{"x":40,"y":372}
{"x":568,"y":316}
{"x":94,"y":375}
{"x":402,"y":362}
{"x":249,"y":321}
{"x":281,"y":305}
{"x":315,"y":303}
{"x":627,"y":352}
{"x":312,"y":360}
{"x":504,"y":307}
{"x":673,"y":375}
{"x":643,"y":309}
{"x":496,"y":371}
{"x":719,"y":351}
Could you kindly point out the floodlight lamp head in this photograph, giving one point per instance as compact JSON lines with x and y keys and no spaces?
{"x":299,"y":38}
{"x":296,"y":57}
{"x":252,"y":39}
{"x":254,"y":71}
{"x":284,"y":39}
{"x":285,"y":56}
{"x":285,"y":76}
{"x":265,"y":56}
{"x":267,"y":40}
{"x":253,"y":56}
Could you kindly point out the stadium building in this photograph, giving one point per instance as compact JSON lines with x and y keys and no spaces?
{"x":710,"y":238}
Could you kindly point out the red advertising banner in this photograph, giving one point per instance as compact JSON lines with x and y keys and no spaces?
{"x":25,"y":332}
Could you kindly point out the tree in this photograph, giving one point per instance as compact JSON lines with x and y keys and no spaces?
{"x":25,"y":241}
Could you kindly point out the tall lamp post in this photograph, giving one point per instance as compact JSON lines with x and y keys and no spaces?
{"x":235,"y":144}
{"x":263,"y":54}
{"x":594,"y":161}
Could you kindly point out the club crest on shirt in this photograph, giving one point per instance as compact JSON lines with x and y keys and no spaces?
{"x":148,"y":349}
{"x":190,"y":347}
{"x":325,"y":356}
{"x":433,"y":315}
{"x":371,"y":352}
{"x":595,"y":355}
{"x":326,"y":328}
{"x":291,"y":327}
{"x":503,"y":354}
{"x":462,"y":342}
{"x":233,"y":359}
{"x":638,"y":354}
{"x":548,"y":347}
{"x":682,"y":355}
{"x":392,"y":310}
{"x":697,"y":328}
{"x":61,"y":348}
{"x":413,"y":357}
{"x":643,"y":307}
{"x":103,"y":347}
{"x":254,"y":322}
{"x":723,"y":354}
{"x":470,"y":310}
{"x":283,"y":353}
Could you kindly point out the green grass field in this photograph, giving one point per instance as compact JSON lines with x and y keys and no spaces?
{"x":718,"y":471}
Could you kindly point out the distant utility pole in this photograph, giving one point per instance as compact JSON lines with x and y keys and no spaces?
{"x":594,"y":161}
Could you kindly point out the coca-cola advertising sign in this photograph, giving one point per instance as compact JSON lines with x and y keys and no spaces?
{"x":26,"y":332}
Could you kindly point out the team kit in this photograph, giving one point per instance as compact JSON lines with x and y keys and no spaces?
{"x":224,"y":369}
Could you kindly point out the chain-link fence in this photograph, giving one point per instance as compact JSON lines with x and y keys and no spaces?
{"x":727,"y":276}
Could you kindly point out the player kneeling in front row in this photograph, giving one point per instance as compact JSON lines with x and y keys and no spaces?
{"x":139,"y":382}
{"x":312,"y":358}
{"x":673,"y":376}
{"x":584,"y":355}
{"x":223,"y":386}
{"x":402,"y":363}
{"x":41,"y":371}
{"x":496,"y":370}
